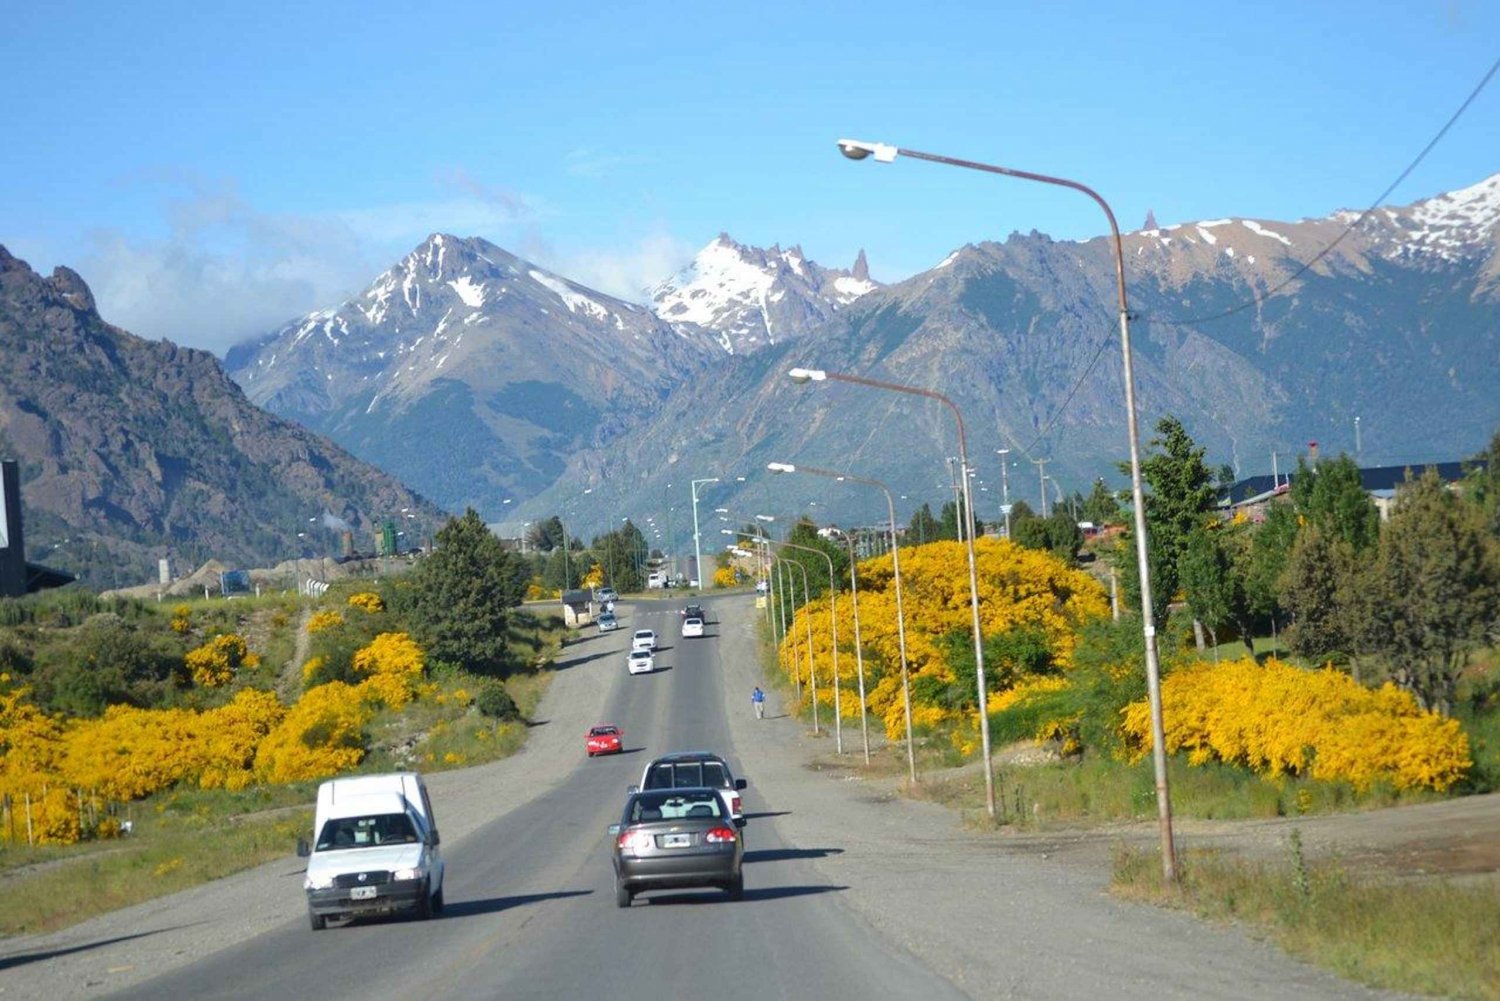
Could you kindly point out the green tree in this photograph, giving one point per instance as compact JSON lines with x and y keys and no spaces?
{"x":1180,"y":500}
{"x":546,"y":535}
{"x":1439,"y":574}
{"x":924,"y":527}
{"x":1270,"y":548}
{"x":805,"y":533}
{"x":1101,"y":506}
{"x":1482,"y":483}
{"x":461,"y":596}
{"x":1213,"y":578}
{"x":1331,"y":496}
{"x":1315,"y":587}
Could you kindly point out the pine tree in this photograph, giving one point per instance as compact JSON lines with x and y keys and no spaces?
{"x":461,"y":595}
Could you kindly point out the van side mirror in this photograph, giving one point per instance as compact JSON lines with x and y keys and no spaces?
{"x":436,"y":839}
{"x":303,"y":849}
{"x":740,"y":783}
{"x":740,"y":822}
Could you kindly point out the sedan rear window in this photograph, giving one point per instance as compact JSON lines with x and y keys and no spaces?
{"x":674,"y":806}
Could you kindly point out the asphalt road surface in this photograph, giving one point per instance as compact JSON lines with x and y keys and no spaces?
{"x":530,"y":902}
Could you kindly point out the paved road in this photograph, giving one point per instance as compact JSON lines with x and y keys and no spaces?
{"x":531,"y":909}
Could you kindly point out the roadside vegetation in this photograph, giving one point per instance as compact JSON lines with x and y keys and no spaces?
{"x":1315,"y":658}
{"x":1434,"y":938}
{"x":129,"y":729}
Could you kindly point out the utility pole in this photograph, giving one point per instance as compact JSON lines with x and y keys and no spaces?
{"x":958,"y":508}
{"x":1356,"y":440}
{"x":1275,"y":475}
{"x":1041,"y":472}
{"x":1004,"y":487}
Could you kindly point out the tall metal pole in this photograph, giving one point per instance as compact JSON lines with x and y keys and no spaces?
{"x":833,"y":629}
{"x":965,"y":519}
{"x":1041,"y":470}
{"x":859,"y":651}
{"x":890,"y":504}
{"x":697,"y":548}
{"x":886,"y":154}
{"x":1004,"y":454}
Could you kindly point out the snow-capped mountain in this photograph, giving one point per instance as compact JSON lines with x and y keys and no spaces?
{"x":747,"y":298}
{"x":468,"y":369}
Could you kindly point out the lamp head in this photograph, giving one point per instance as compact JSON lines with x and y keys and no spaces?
{"x":765,"y":517}
{"x":781,"y":467}
{"x":856,"y":149}
{"x":802,"y":376}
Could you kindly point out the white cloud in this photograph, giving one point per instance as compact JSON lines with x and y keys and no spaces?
{"x":626,"y":272}
{"x":585,"y":162}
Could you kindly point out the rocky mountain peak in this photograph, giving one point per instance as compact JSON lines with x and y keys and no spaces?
{"x":861,"y":272}
{"x":746,"y":297}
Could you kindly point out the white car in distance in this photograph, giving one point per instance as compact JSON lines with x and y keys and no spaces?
{"x":644,"y":639}
{"x":692,"y":627}
{"x":640,"y":662}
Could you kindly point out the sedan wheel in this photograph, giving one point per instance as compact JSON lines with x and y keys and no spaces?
{"x":622,"y":895}
{"x":737,"y":887}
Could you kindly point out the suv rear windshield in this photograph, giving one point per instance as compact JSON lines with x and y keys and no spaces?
{"x":687,"y":774}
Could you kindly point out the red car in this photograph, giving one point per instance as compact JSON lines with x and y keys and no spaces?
{"x":603,"y":739}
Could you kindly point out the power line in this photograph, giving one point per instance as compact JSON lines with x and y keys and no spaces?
{"x":1379,"y":200}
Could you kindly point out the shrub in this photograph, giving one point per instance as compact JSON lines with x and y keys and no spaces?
{"x":367,"y":601}
{"x":320,"y":621}
{"x":495,"y":702}
{"x":215,"y":662}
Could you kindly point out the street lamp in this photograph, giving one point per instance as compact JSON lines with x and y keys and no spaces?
{"x":858,"y":150}
{"x":965,"y":520}
{"x":786,"y":467}
{"x":697,"y":548}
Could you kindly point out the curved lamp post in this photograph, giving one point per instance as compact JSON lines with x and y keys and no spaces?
{"x":965,"y":530}
{"x":833,"y":629}
{"x":786,"y":625}
{"x":787,"y":467}
{"x":857,"y":150}
{"x":697,"y":548}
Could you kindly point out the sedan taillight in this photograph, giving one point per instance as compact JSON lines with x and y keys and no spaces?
{"x":719,"y":836}
{"x":632,"y":841}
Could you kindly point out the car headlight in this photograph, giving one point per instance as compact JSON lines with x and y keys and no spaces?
{"x":416,"y":872}
{"x":317,"y":882}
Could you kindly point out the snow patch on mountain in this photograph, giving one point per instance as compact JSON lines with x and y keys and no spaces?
{"x":471,"y":294}
{"x":576,"y":301}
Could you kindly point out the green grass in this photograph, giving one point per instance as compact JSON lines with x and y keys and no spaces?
{"x":180,"y":839}
{"x":1430,"y":938}
{"x":1096,"y":790}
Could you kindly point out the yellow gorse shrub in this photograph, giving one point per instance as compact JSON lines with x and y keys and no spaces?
{"x":215,"y":662}
{"x":1017,"y":588}
{"x":1278,"y":719}
{"x":323,"y":734}
{"x":391,"y":665}
{"x":367,"y":601}
{"x":328,"y":619}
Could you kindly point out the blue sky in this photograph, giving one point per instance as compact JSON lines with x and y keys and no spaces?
{"x":212,"y":172}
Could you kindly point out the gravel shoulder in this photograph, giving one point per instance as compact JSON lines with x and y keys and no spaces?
{"x":126,"y":947}
{"x":1002,"y":915}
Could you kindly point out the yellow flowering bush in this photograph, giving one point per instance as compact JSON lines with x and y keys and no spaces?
{"x":327,"y":619}
{"x":367,"y":601}
{"x":215,"y":662}
{"x":594,"y":578}
{"x":725,"y":577}
{"x":391,"y":665}
{"x":182,"y":619}
{"x":1278,"y":719}
{"x":1018,"y":588}
{"x":323,"y":734}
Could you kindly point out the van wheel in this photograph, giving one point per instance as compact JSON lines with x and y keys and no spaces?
{"x":318,"y":921}
{"x":437,"y":901}
{"x":423,"y":910}
{"x":623,"y":896}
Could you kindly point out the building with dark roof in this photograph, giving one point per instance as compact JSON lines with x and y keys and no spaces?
{"x":1380,"y":482}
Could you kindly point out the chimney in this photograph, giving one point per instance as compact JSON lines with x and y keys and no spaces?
{"x":861,"y":266}
{"x":1312,"y":454}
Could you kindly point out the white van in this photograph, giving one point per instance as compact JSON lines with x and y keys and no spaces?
{"x":656,"y":579}
{"x":375,"y":849}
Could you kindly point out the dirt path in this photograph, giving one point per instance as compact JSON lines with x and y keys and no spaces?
{"x":290,"y":681}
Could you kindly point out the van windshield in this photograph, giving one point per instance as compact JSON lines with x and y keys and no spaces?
{"x":367,"y":832}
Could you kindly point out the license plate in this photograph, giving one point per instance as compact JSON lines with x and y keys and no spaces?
{"x":676,"y":840}
{"x":362,"y":893}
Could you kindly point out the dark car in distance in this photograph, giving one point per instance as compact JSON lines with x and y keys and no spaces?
{"x":676,"y":839}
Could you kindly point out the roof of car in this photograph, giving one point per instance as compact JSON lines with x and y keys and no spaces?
{"x":688,"y":756}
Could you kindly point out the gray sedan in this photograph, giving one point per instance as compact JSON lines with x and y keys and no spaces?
{"x":675,"y":838}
